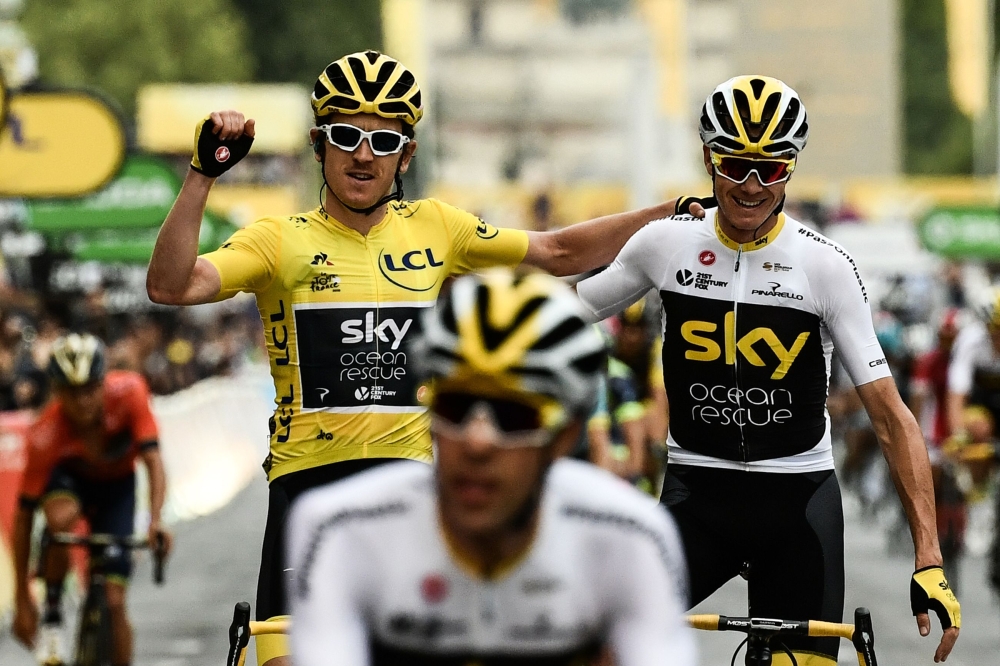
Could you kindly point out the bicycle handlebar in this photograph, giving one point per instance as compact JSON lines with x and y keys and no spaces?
{"x":128,"y":542}
{"x":860,"y":633}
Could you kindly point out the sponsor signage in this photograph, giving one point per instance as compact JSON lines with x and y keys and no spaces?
{"x":357,"y":357}
{"x":168,"y":113}
{"x":59,"y":144}
{"x":962,"y":232}
{"x":120,"y":222}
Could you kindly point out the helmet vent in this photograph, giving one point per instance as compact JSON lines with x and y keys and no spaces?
{"x":590,"y":363}
{"x":706,"y":122}
{"x":320,"y":91}
{"x":758,"y":87}
{"x":494,"y":337}
{"x":401,"y":87}
{"x":803,"y":129}
{"x":345,"y":103}
{"x":395,"y":108}
{"x":564,"y":330}
{"x":722,"y":113}
{"x":372,"y":56}
{"x":787,"y":121}
{"x":384,"y":72}
{"x":337,"y":78}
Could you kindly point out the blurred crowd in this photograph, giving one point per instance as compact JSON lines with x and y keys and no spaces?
{"x":171,"y":347}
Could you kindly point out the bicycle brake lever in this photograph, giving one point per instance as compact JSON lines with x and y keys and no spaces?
{"x":864,"y":637}
{"x":239,"y":633}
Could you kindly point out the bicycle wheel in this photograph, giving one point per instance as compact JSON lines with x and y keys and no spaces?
{"x":93,"y":646}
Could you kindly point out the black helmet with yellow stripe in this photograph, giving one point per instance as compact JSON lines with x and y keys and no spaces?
{"x":522,"y":337}
{"x":754,"y":114}
{"x":368,"y":82}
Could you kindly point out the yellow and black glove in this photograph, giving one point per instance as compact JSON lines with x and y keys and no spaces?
{"x":213,"y":156}
{"x":929,"y":590}
{"x":683,"y":206}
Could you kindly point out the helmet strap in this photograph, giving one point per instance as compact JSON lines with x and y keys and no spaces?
{"x":397,"y":195}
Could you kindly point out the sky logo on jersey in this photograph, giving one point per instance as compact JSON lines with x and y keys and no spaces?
{"x":708,"y":348}
{"x":352,"y":355}
{"x":408,"y":269}
{"x":358,"y":330}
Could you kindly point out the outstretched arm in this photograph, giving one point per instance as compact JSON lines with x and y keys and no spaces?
{"x":588,"y":245}
{"x":176,"y":275}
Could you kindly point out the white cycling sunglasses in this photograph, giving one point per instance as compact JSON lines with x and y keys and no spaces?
{"x":348,"y":137}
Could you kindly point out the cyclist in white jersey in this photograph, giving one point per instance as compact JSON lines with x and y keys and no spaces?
{"x":974,"y":368}
{"x":753,"y":305}
{"x":501,"y":554}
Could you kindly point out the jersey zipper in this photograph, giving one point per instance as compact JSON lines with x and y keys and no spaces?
{"x":737,"y":292}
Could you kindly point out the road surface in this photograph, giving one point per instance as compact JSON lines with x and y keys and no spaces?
{"x":184,"y":623}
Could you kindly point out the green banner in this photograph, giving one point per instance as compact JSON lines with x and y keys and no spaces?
{"x":962,"y":232}
{"x":120,"y":223}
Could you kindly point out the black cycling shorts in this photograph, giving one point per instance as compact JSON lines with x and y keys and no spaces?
{"x":108,"y":506}
{"x":787,"y":530}
{"x":282,"y":492}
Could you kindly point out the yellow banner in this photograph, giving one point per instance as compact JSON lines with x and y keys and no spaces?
{"x":59,"y":144}
{"x":167,"y":115}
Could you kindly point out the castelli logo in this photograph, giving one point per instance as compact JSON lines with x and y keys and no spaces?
{"x":222,"y":154}
{"x":707,"y":258}
{"x":434,"y":588}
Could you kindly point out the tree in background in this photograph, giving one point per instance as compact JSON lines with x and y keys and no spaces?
{"x":294,"y":40}
{"x":937,"y":137}
{"x":118,"y":47}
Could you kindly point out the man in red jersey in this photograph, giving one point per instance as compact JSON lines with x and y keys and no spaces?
{"x":81,"y":463}
{"x":929,"y":394}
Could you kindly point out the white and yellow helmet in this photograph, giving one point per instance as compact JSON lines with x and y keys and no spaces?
{"x":754,"y":114}
{"x":77,"y":359}
{"x":517,"y":336}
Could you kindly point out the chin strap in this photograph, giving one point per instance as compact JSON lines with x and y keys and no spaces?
{"x":392,"y":196}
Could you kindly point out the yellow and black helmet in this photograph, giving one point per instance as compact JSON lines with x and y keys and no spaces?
{"x":515,"y":336}
{"x":368,"y":82}
{"x":754,"y":114}
{"x":77,"y":359}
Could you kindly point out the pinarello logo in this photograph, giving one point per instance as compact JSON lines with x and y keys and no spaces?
{"x":434,"y":588}
{"x":707,"y":258}
{"x":222,"y":154}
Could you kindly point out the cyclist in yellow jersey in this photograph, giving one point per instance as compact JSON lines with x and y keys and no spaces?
{"x":340,"y":288}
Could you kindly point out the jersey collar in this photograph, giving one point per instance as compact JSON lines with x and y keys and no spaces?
{"x":761,"y":242}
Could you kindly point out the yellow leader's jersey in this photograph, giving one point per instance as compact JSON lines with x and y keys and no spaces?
{"x":339,"y":311}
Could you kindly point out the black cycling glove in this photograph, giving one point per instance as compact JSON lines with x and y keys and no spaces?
{"x":929,"y":590}
{"x":683,"y":206}
{"x":213,"y":156}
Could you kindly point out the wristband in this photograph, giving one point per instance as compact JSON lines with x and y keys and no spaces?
{"x":683,"y":206}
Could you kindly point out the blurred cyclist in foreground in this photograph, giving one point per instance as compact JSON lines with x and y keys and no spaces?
{"x":501,"y":553}
{"x":81,"y":463}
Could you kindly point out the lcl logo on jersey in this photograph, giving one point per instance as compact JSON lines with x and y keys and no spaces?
{"x":486,"y":231}
{"x":709,"y":349}
{"x":397,"y":269}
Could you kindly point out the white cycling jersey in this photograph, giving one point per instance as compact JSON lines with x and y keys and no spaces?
{"x":748,"y":331}
{"x":375,"y":582}
{"x":974,"y":368}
